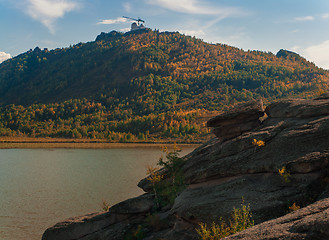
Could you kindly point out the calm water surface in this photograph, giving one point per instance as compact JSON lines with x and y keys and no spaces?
{"x":39,"y":187}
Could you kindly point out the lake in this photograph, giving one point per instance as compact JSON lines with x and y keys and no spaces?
{"x":39,"y":187}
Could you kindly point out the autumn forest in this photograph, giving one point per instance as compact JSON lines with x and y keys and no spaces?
{"x":143,"y":86}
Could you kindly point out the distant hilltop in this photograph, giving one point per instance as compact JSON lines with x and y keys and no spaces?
{"x":136,"y":26}
{"x":114,"y":34}
{"x":285,"y":53}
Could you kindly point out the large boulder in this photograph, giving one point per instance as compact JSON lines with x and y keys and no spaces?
{"x":237,"y":120}
{"x":112,"y":224}
{"x":300,"y":108}
{"x":269,"y":196}
{"x":298,"y":144}
{"x":219,"y":173}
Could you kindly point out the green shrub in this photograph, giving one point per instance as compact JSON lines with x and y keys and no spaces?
{"x":167,"y":189}
{"x":170,"y":189}
{"x":241,"y":220}
{"x":105,"y":206}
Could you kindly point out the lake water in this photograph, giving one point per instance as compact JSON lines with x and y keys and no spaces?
{"x":39,"y":187}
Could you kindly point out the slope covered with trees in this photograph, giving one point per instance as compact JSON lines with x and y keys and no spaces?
{"x":142,"y":85}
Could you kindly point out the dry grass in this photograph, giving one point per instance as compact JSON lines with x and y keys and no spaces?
{"x":241,"y":220}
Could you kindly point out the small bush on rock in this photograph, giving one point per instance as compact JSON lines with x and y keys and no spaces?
{"x":294,"y":207}
{"x":284,"y":173}
{"x":173,"y":164}
{"x":105,"y":206}
{"x":154,"y":177}
{"x":167,"y":189}
{"x":241,"y":220}
{"x":258,"y":143}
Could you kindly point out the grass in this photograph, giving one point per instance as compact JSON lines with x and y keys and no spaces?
{"x":105,"y":206}
{"x":241,"y":219}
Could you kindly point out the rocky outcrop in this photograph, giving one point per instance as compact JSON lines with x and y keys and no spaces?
{"x":299,"y":108}
{"x":230,"y":167}
{"x":310,"y":223}
{"x":238,"y":120}
{"x":107,"y":225}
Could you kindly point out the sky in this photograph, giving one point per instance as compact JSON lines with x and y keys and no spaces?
{"x":266,"y":25}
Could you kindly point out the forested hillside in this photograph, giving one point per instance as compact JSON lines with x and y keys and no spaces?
{"x":143,"y":85}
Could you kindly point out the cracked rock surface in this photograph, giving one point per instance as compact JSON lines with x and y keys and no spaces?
{"x":309,"y":223}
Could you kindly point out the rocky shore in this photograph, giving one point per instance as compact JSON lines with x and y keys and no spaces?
{"x":251,"y":146}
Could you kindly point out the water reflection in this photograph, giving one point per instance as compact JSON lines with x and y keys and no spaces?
{"x":39,"y":187}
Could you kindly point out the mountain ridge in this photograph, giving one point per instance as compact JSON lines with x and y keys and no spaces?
{"x":115,"y":59}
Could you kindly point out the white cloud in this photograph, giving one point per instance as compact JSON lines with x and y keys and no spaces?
{"x":127,"y":7}
{"x":113,"y":21}
{"x":47,"y":11}
{"x":4,"y":56}
{"x":318,"y":54}
{"x":196,"y":33}
{"x":214,"y":13}
{"x":124,"y":29}
{"x":296,"y":49}
{"x":194,"y":7}
{"x":232,"y":39}
{"x":325,"y":16}
{"x":304,"y":19}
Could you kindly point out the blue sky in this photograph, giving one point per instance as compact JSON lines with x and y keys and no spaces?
{"x":266,"y":25}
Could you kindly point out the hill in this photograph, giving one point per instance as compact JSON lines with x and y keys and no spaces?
{"x":145,"y":83}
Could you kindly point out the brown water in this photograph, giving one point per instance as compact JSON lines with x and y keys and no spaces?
{"x":39,"y":187}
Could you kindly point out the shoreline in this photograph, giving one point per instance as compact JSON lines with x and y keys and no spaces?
{"x":17,"y":142}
